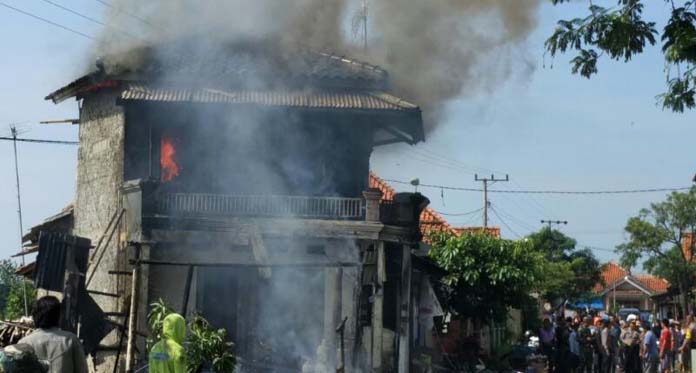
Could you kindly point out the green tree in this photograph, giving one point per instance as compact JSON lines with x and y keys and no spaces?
{"x":14,"y":303}
{"x":7,"y":280}
{"x":570,"y":273}
{"x":486,"y":274}
{"x":658,"y":236}
{"x":11,"y":292}
{"x":621,"y":32}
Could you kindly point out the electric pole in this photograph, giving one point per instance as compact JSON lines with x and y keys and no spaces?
{"x":552,"y":222}
{"x":13,"y":131}
{"x":485,"y":181}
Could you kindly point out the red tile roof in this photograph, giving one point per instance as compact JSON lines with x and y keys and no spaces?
{"x":654,"y":283}
{"x":610,"y":274}
{"x":430,"y":221}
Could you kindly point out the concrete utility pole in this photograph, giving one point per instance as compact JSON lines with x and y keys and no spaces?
{"x":552,"y":222}
{"x":485,"y":181}
{"x":13,"y":130}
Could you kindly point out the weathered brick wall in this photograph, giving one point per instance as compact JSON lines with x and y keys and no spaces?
{"x":99,"y":177}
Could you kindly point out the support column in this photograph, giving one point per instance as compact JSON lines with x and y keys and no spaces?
{"x":372,"y":199}
{"x":378,"y":310}
{"x":405,"y":312}
{"x":333,"y":295}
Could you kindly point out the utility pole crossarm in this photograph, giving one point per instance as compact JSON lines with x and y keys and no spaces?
{"x":552,"y":222}
{"x":485,"y":181}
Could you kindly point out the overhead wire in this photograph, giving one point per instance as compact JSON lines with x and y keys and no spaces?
{"x":521,"y":223}
{"x":132,"y":15}
{"x":560,"y":192}
{"x":495,"y":212}
{"x":57,"y":142}
{"x":459,"y":214}
{"x":91,"y":19}
{"x":32,"y":15}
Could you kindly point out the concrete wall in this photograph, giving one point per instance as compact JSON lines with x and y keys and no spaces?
{"x":99,"y":177}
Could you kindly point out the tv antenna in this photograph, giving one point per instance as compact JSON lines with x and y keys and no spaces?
{"x":14,"y":137}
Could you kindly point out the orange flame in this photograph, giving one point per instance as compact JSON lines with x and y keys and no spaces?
{"x":168,"y":165}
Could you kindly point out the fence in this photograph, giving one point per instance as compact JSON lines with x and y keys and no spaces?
{"x":267,"y":206}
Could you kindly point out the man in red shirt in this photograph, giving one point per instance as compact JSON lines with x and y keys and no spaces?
{"x":666,"y":355}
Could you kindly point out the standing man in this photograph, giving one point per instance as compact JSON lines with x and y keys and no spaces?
{"x":60,"y":349}
{"x":168,"y":355}
{"x":630,"y":338}
{"x":607,"y":348}
{"x":677,"y":340}
{"x":547,"y":341}
{"x":562,"y":355}
{"x":574,"y":347}
{"x":666,"y":343}
{"x":586,"y":340}
{"x":650,"y":352}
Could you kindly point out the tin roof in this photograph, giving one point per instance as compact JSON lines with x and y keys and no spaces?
{"x":249,"y":65}
{"x":355,"y":100}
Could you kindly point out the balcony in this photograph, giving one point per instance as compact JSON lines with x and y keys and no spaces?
{"x":304,"y":207}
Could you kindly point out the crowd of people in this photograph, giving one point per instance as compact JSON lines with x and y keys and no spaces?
{"x":591,"y":343}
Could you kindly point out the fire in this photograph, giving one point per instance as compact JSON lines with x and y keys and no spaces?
{"x":168,"y":166}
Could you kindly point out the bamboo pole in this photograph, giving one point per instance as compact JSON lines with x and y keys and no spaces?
{"x":132,"y":315}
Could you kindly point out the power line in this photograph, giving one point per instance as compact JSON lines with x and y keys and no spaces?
{"x":460,"y":214}
{"x":57,"y":142}
{"x":504,"y":223}
{"x":575,"y":192}
{"x":519,"y":222}
{"x":91,"y":19}
{"x":28,"y":14}
{"x":132,"y":15}
{"x":75,"y":12}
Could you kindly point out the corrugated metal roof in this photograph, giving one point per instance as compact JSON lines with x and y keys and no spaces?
{"x":356,"y":100}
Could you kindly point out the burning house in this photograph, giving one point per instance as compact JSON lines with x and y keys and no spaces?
{"x":236,"y":184}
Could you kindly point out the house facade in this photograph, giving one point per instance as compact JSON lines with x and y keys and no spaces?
{"x":236,"y":185}
{"x":622,"y":289}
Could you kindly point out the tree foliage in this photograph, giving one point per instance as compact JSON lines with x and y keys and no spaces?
{"x":621,"y":32}
{"x":11,"y":292}
{"x":486,"y":274}
{"x":568,"y":272}
{"x":658,"y":236}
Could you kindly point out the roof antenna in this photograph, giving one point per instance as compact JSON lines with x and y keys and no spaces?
{"x":360,"y":24}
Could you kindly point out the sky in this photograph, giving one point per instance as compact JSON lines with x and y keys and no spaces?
{"x":547,"y":129}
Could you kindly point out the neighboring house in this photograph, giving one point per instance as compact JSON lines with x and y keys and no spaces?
{"x":430,"y":221}
{"x":622,"y":289}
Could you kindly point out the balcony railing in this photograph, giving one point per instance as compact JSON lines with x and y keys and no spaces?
{"x":197,"y":204}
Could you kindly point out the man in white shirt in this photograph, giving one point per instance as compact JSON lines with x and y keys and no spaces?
{"x":60,"y":349}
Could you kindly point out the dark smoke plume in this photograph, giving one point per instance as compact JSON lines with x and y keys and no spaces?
{"x":435,"y":50}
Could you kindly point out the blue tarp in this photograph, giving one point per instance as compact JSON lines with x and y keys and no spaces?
{"x":595,"y":304}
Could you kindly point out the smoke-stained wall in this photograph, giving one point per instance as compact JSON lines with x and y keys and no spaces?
{"x":99,"y":177}
{"x":249,"y":150}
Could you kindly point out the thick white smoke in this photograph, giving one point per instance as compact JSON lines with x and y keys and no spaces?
{"x":435,"y":50}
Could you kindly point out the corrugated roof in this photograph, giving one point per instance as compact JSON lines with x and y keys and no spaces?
{"x":361,"y":100}
{"x":243,"y":64}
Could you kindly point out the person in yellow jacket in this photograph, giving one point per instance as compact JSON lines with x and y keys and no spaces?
{"x":168,"y":355}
